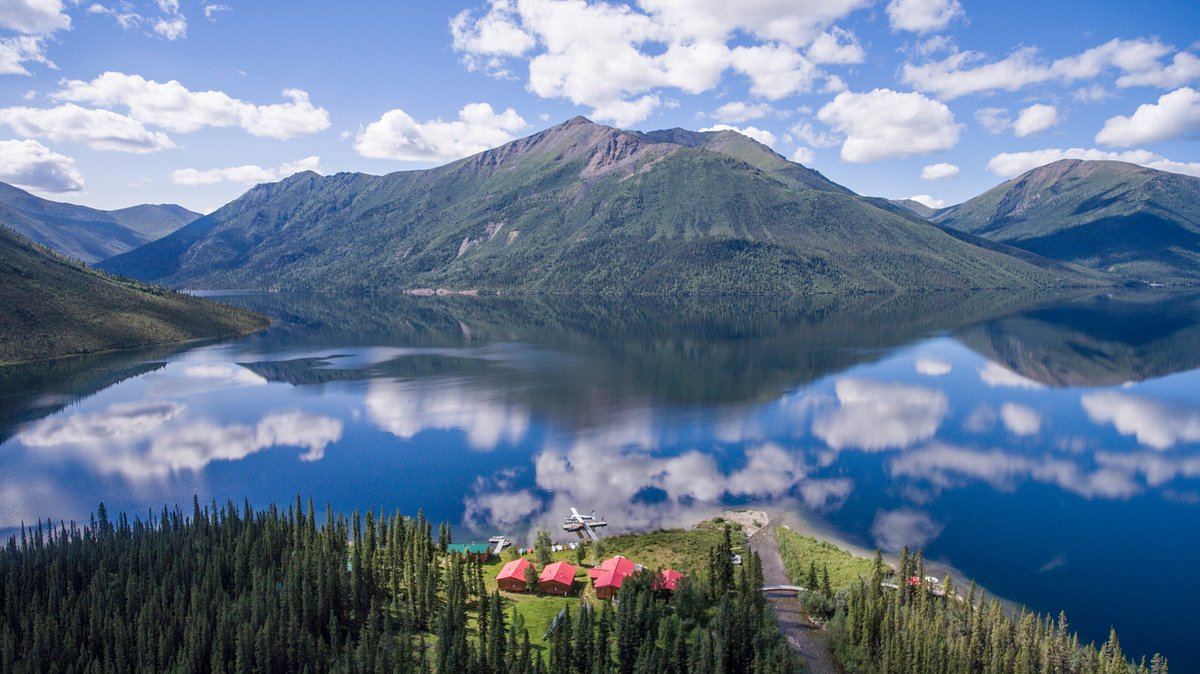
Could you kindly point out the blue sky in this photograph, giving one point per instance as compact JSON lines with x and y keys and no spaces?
{"x":111,"y":103}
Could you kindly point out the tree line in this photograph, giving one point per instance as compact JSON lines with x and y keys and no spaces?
{"x":229,"y":589}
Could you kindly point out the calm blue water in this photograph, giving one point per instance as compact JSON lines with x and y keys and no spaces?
{"x":1050,"y":450}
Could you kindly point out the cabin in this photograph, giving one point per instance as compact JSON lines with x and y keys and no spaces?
{"x":556,"y":578}
{"x":607,"y":578}
{"x":476,"y":551}
{"x":666,"y":581}
{"x":512,"y":576}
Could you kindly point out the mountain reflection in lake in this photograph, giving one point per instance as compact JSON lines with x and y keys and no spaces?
{"x":1050,"y":449}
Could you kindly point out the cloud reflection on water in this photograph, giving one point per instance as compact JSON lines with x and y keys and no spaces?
{"x":406,"y":408}
{"x":874,"y":415}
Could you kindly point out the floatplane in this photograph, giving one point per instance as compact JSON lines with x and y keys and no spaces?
{"x":583,"y":525}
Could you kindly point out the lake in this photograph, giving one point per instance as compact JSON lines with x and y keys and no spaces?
{"x":1049,"y":448}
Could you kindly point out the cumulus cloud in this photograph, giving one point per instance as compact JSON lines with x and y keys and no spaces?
{"x":98,"y":129}
{"x":174,"y":107}
{"x":16,"y":51}
{"x":29,"y":164}
{"x":883,"y":124}
{"x":1020,"y":419}
{"x":922,"y":16}
{"x":873,"y":415}
{"x":619,"y":58}
{"x":805,"y":132}
{"x":1175,"y":115}
{"x":939,"y":171}
{"x":1035,"y":118}
{"x":761,"y":135}
{"x":993,"y":120}
{"x":933,"y":367}
{"x":895,"y":529}
{"x":836,"y":46}
{"x":804,"y":155}
{"x":1009,"y":164}
{"x":249,"y":173}
{"x":997,"y":376}
{"x":736,"y":112}
{"x":33,"y":17}
{"x":926,"y":200}
{"x":1153,"y":423}
{"x":396,"y":135}
{"x":966,"y":72}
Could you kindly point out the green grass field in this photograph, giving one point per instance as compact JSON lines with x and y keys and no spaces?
{"x":798,"y":551}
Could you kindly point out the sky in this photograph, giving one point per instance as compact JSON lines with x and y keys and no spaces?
{"x":117,"y":102}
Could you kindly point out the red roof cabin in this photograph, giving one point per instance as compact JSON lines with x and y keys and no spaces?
{"x":667,"y":581}
{"x":512,"y":576}
{"x":556,"y":578}
{"x":607,"y":578}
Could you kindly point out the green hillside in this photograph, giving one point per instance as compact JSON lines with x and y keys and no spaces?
{"x":84,"y":233}
{"x":1120,"y":218}
{"x":52,"y":306}
{"x":579,"y":208}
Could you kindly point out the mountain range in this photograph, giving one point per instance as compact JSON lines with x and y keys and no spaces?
{"x":54,"y":306}
{"x":1123,"y":219}
{"x":88,"y":234}
{"x":584,"y":208}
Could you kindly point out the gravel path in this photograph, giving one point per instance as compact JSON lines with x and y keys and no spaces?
{"x":810,"y":641}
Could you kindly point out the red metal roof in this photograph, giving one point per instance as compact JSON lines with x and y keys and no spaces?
{"x":621,"y":565}
{"x":514,"y":569}
{"x":667,"y":580}
{"x":559,"y":572}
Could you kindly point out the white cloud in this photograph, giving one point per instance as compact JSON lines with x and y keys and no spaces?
{"x":997,"y":376}
{"x":805,"y":132}
{"x":933,"y":367}
{"x":1020,"y":419}
{"x":398,"y":136}
{"x":962,"y":72}
{"x":926,"y":200}
{"x":993,"y":120}
{"x":898,"y":528}
{"x":1035,"y":118}
{"x":736,"y":112}
{"x":882,"y":124}
{"x":405,"y":409}
{"x":1176,"y":115}
{"x":1009,"y":164}
{"x":618,"y":58}
{"x":15,"y":52}
{"x":923,"y":16}
{"x":172,"y":106}
{"x":33,"y":16}
{"x":249,"y":173}
{"x":1151,"y":422}
{"x":98,"y":129}
{"x":803,"y":155}
{"x":211,"y":11}
{"x":836,"y":46}
{"x":875,"y":415}
{"x":170,"y":24}
{"x":775,"y":71}
{"x":939,"y":171}
{"x":1091,"y":94}
{"x":761,"y":135}
{"x":29,"y":164}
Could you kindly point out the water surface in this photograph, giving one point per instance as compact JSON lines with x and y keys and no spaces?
{"x":1048,"y":448}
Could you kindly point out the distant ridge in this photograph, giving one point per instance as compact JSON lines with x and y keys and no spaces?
{"x":84,"y":233}
{"x":1115,"y":217}
{"x":582,"y":208}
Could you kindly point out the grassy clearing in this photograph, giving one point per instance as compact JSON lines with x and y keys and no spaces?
{"x":798,"y":551}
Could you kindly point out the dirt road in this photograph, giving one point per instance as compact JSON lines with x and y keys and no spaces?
{"x":810,"y":641}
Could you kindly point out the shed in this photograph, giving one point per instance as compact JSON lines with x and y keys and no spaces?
{"x":556,"y":578}
{"x":477,"y":551}
{"x":512,"y":576}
